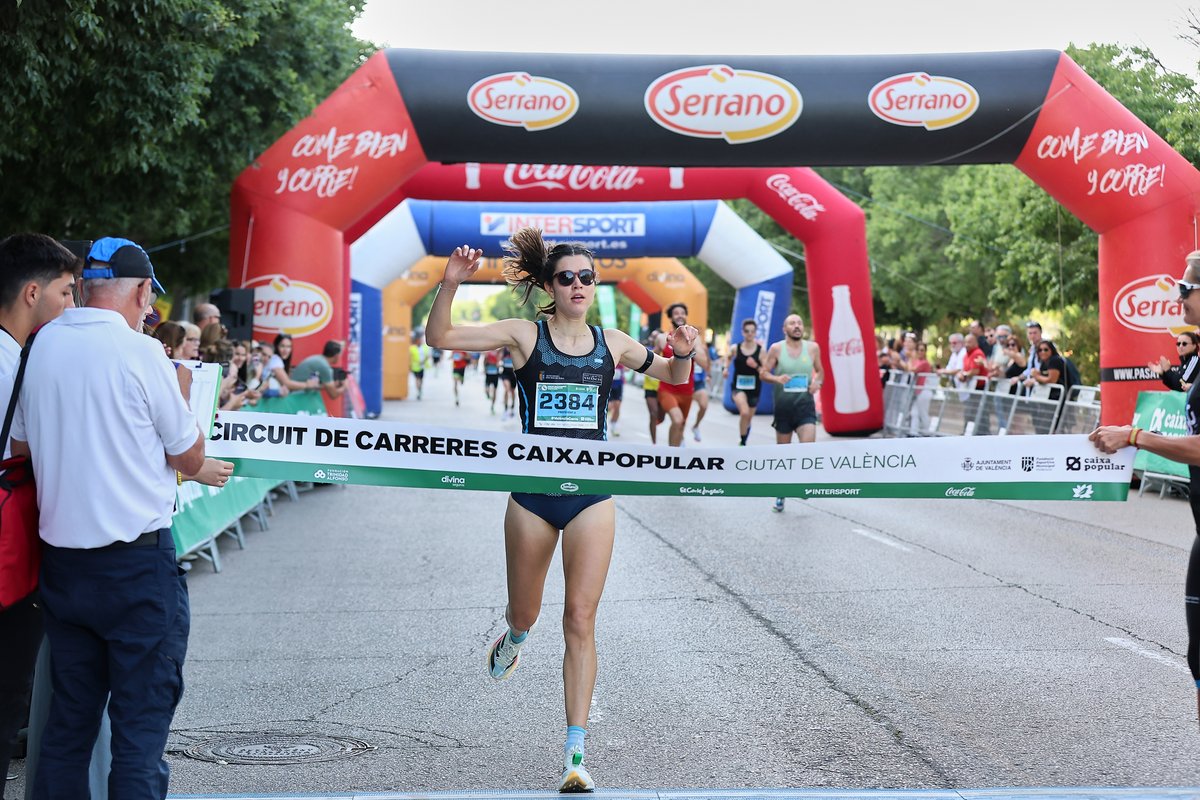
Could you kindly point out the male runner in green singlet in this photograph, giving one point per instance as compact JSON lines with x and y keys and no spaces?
{"x":794,"y":366}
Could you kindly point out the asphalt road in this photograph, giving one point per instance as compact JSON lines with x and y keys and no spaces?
{"x":844,"y":643}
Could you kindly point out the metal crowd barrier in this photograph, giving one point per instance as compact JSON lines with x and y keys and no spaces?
{"x":928,"y":404}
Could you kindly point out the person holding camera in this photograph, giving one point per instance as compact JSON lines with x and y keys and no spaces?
{"x":330,"y":377}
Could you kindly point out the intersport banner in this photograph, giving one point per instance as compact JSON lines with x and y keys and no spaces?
{"x":334,"y":450}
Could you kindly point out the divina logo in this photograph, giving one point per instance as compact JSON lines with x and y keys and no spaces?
{"x":918,"y":99}
{"x":719,"y":102}
{"x":521,"y":100}
{"x":1150,"y":305}
{"x":296,"y":308}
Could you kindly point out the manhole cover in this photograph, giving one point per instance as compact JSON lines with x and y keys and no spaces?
{"x":276,"y":748}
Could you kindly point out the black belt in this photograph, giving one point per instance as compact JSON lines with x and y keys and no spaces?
{"x":147,"y":539}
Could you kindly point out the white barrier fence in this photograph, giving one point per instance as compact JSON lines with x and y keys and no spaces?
{"x":927,"y":404}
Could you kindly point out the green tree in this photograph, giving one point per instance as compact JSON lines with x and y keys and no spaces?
{"x":134,"y":118}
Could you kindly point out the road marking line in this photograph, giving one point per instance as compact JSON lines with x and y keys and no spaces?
{"x":1144,"y":653}
{"x":881,"y":539}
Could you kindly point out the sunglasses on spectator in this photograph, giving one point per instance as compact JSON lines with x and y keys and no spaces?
{"x":1186,"y":289}
{"x":1043,"y":349}
{"x":567,"y":277}
{"x":1184,"y":343}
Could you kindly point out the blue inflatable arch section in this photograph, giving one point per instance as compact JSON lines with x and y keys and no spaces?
{"x":706,"y":229}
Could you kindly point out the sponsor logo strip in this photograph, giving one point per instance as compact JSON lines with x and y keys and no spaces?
{"x":392,"y":454}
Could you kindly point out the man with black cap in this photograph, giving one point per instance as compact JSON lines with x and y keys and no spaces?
{"x":107,"y":462}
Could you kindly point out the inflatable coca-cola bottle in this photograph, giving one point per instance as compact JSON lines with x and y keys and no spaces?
{"x":846,"y":356}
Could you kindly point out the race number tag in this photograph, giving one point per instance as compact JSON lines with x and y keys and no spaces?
{"x":798,"y":383}
{"x":744,"y":383}
{"x":567,"y":405}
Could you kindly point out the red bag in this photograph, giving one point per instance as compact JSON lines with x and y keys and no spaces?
{"x":20,"y":545}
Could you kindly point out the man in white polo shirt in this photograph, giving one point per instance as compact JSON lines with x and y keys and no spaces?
{"x":108,"y":431}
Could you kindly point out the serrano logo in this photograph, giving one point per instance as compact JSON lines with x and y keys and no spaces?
{"x":719,"y":102}
{"x":297,"y":308}
{"x":521,"y":100}
{"x":1150,"y":305}
{"x":918,"y":99}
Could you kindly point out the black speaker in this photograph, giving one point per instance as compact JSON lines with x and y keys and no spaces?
{"x":237,"y":312}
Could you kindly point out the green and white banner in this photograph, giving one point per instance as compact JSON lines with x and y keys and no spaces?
{"x":334,"y":450}
{"x":1165,"y":413}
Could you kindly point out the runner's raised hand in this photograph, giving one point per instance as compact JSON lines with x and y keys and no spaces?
{"x":462,"y":264}
{"x":683,"y":339}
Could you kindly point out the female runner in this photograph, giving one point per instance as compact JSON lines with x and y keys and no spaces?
{"x":560,"y":363}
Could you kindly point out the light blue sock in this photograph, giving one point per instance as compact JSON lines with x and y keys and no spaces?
{"x":575,"y":735}
{"x":516,"y":638}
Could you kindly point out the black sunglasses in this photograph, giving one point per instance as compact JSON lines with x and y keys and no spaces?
{"x":567,"y":277}
{"x":1186,"y":288}
{"x":1184,"y":343}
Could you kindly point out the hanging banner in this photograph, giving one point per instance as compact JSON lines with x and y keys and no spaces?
{"x":335,"y":450}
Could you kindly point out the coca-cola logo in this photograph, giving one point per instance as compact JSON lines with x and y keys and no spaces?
{"x":918,"y":99}
{"x":1150,"y":305}
{"x":716,"y":101}
{"x":281,"y":305}
{"x":577,"y":177}
{"x":521,"y":100}
{"x":960,"y":491}
{"x":849,"y":347}
{"x":804,"y":203}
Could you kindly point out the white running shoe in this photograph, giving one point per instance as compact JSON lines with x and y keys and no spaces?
{"x":696,"y":434}
{"x":503,"y":656}
{"x":575,"y":777}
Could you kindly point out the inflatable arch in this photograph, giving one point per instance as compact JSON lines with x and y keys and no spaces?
{"x":707,"y":229}
{"x":295,"y":211}
{"x":652,"y":283}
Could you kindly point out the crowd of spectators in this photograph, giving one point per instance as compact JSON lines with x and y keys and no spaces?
{"x":250,"y":370}
{"x":982,"y":357}
{"x":983,"y":354}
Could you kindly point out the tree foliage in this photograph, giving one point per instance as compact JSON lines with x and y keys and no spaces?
{"x":133,"y":119}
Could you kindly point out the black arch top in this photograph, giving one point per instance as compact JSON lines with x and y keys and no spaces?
{"x":836,"y":125}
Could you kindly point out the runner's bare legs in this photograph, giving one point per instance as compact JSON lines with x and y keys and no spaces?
{"x":586,"y":553}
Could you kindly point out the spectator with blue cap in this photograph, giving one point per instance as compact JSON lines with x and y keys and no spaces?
{"x":108,"y":537}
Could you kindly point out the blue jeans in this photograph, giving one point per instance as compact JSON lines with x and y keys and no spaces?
{"x":117,"y":620}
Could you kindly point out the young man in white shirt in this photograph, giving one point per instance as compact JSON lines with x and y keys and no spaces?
{"x":37,"y":275}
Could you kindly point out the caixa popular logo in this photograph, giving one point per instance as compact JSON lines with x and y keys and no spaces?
{"x":918,"y":99}
{"x":521,"y":100}
{"x":719,"y":102}
{"x":297,"y":308}
{"x":1150,"y":305}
